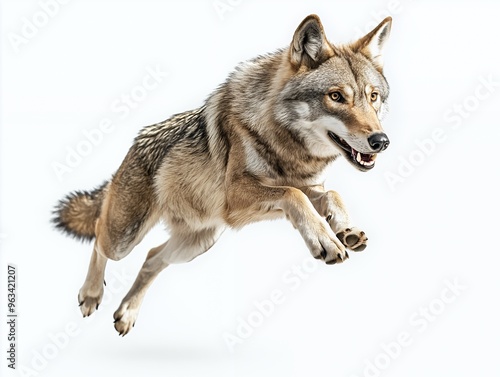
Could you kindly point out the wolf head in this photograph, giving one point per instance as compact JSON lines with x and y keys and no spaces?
{"x":336,"y":95}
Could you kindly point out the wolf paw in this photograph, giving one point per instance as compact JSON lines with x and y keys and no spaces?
{"x":324,"y":245}
{"x":125,"y":318}
{"x":89,"y":300}
{"x":353,"y":238}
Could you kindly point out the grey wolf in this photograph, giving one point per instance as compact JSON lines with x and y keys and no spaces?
{"x":254,"y":151}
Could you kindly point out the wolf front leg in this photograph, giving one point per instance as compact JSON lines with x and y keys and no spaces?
{"x":329,"y":205}
{"x":249,"y":200}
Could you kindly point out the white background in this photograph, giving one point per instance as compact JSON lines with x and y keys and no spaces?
{"x":438,"y":224}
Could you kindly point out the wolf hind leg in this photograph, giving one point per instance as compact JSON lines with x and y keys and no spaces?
{"x":329,"y":205}
{"x":122,"y":224}
{"x":90,"y":295}
{"x":180,"y":248}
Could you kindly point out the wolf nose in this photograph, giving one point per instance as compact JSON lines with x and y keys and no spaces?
{"x":378,"y":142}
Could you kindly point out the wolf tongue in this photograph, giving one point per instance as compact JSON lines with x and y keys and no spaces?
{"x":366,"y":157}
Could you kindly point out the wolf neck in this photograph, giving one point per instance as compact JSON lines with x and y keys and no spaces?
{"x":246,"y":106}
{"x":255,"y":85}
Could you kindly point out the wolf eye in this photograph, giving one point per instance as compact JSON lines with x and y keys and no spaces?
{"x":336,"y":96}
{"x":374,"y":96}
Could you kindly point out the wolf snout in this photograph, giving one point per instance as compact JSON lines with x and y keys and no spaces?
{"x":378,"y":142}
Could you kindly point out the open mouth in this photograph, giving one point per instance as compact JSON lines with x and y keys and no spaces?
{"x":363,"y":161}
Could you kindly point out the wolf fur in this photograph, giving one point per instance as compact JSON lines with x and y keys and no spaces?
{"x":254,"y":151}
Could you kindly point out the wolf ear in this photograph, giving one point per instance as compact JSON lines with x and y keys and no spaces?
{"x":372,"y":44}
{"x":309,"y":46}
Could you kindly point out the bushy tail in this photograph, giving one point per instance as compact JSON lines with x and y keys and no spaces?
{"x":78,"y":212}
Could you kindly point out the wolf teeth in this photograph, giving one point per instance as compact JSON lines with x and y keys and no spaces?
{"x":358,"y":158}
{"x":362,"y":162}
